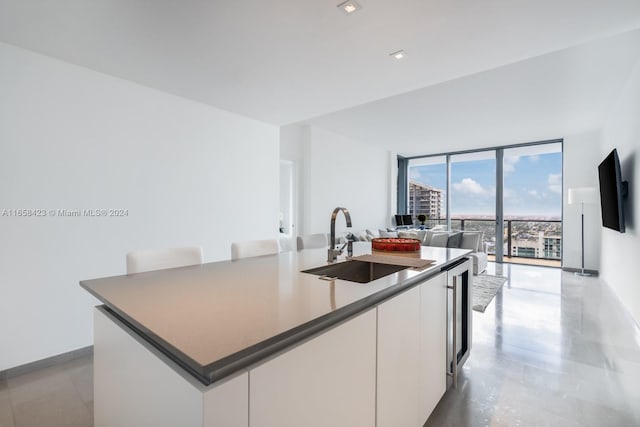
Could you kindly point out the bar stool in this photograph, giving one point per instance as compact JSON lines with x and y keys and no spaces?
{"x":157,"y":259}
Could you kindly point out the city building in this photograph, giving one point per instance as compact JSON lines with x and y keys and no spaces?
{"x":424,"y":199}
{"x":552,"y":246}
{"x":538,"y":245}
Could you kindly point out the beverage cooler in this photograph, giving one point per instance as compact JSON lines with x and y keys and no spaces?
{"x":459,"y":317}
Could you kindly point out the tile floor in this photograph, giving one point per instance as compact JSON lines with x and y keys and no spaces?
{"x":550,"y":350}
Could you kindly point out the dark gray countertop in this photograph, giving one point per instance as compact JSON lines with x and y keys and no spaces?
{"x":217,"y":318}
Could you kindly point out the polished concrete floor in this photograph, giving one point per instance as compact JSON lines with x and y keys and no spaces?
{"x":550,"y":350}
{"x":57,"y":396}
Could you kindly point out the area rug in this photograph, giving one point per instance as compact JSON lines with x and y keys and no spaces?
{"x":485,"y":287}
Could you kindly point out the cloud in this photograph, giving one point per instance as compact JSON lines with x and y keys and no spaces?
{"x":414,"y":173}
{"x":509,"y":163}
{"x":534,"y":158}
{"x":555,"y":182}
{"x":533,"y":193}
{"x":469,"y":186}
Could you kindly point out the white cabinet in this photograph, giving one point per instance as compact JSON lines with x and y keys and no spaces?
{"x":412,"y":354}
{"x":398,"y":360}
{"x":433,"y":342}
{"x":135,"y":386}
{"x":331,"y":379}
{"x":326,"y":381}
{"x":385,"y":367}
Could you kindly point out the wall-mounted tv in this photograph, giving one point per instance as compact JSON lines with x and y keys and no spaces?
{"x":612,"y":192}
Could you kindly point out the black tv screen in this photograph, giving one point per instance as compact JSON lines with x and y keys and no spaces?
{"x":612,"y":192}
{"x":404,"y":220}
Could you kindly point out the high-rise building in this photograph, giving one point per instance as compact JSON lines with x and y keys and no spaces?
{"x":553,"y":247}
{"x":540,"y":245}
{"x":424,"y":199}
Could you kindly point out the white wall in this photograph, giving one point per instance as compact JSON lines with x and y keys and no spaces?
{"x":581,"y":156}
{"x":341,"y":172}
{"x":71,"y":138}
{"x":619,"y":255}
{"x":292,"y":138}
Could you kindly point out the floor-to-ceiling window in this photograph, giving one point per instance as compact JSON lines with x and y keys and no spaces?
{"x":513,"y":194}
{"x":533,"y":202}
{"x":427,"y":189}
{"x":473,"y":194}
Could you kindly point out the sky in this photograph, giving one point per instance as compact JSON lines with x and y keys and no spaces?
{"x":532,"y":184}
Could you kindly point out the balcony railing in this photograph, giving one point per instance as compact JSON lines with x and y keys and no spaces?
{"x":522,"y":237}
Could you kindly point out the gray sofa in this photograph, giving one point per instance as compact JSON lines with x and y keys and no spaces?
{"x":471,"y":240}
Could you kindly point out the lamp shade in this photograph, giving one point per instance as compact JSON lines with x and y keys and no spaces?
{"x":586,"y":195}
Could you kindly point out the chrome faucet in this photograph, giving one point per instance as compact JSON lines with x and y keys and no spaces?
{"x":333,"y":253}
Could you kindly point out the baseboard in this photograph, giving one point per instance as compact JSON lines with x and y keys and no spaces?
{"x":577,"y":270}
{"x":47,"y":362}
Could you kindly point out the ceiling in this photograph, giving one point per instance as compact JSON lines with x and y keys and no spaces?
{"x":551,"y":96}
{"x":286,"y":61}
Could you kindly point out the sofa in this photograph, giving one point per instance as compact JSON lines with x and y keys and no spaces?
{"x":471,"y":240}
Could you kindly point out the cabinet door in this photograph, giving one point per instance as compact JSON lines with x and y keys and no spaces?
{"x":398,"y":361}
{"x":326,"y":381}
{"x":135,"y":386}
{"x":433,"y":342}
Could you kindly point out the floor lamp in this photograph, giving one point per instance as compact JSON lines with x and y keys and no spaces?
{"x":582,"y":196}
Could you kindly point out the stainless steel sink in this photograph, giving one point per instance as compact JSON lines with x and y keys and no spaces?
{"x":355,"y":271}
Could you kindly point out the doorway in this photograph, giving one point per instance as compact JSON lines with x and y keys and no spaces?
{"x":287,"y":202}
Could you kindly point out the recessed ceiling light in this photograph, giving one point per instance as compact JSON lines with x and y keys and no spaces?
{"x":401,"y":54}
{"x":349,"y":6}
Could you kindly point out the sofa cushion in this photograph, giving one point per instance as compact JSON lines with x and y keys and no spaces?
{"x":439,"y":240}
{"x":388,"y":234}
{"x":429,"y":234}
{"x":407,"y":234}
{"x":427,"y":237}
{"x":471,"y":241}
{"x":421,"y":234}
{"x":454,"y":240}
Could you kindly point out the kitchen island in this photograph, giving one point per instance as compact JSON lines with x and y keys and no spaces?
{"x":256,"y":340}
